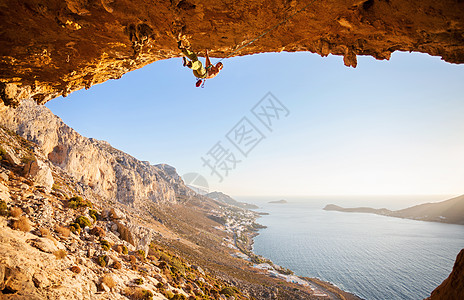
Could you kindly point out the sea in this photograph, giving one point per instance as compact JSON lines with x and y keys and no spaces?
{"x":371,"y":256}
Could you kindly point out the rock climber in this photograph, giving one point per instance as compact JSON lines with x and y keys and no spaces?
{"x":200,"y":72}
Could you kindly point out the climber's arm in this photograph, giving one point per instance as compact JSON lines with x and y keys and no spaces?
{"x":208,"y":62}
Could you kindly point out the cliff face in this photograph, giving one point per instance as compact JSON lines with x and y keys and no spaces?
{"x":51,"y":48}
{"x":453,"y":286}
{"x":110,"y":173}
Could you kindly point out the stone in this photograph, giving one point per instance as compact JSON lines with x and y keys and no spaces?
{"x":46,"y":245}
{"x":4,"y":176}
{"x":60,"y":63}
{"x":40,"y":173}
{"x":104,"y":287}
{"x":40,"y":280}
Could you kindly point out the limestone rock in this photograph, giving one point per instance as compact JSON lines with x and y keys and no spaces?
{"x":109,"y":172}
{"x":54,"y":48}
{"x":38,"y":171}
{"x":46,"y":245}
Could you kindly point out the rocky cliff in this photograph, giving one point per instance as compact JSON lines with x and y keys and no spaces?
{"x":110,"y":173}
{"x":453,"y":286}
{"x":51,"y":48}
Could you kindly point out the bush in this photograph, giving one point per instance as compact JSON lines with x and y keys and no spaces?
{"x":141,"y":294}
{"x":141,"y":254}
{"x":63,"y":231}
{"x":105,"y":245}
{"x":76,"y":228}
{"x":93,"y":214}
{"x":15,"y":212}
{"x":44,"y":232}
{"x":2,"y":153}
{"x":164,"y":257}
{"x":102,"y":260}
{"x":125,"y":251}
{"x":27,"y":158}
{"x":177,"y":265}
{"x":3,"y":208}
{"x":83,"y":221}
{"x":116,"y":265}
{"x":229,"y":291}
{"x":22,"y":224}
{"x":77,"y":202}
{"x":108,"y":281}
{"x":168,"y":294}
{"x":98,"y":231}
{"x":75,"y":269}
{"x":60,"y":254}
{"x":138,"y":281}
{"x":132,"y":259}
{"x":125,"y":234}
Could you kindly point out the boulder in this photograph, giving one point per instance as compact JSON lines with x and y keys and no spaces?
{"x":40,"y":173}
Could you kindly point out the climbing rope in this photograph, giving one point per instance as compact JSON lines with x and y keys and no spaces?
{"x":269,"y":30}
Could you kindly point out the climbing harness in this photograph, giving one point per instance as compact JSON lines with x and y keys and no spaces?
{"x":201,"y":81}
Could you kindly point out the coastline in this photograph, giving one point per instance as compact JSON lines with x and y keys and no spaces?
{"x":245,"y":229}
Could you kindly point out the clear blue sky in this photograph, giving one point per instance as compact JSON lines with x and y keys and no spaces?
{"x":386,"y":127}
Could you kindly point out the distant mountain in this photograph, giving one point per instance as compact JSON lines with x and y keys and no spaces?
{"x":279,"y":201}
{"x":227,"y":199}
{"x":449,"y":211}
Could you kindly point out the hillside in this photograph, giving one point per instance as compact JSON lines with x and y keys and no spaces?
{"x":80,"y":219}
{"x":229,"y":200}
{"x":449,"y":211}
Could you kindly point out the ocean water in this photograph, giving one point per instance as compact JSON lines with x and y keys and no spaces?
{"x":374,"y":257}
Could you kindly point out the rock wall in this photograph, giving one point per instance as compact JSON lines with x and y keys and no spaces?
{"x":51,"y":48}
{"x":453,"y":286}
{"x":110,"y":173}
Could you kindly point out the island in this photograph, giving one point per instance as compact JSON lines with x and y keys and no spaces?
{"x":448,"y":211}
{"x":279,"y":201}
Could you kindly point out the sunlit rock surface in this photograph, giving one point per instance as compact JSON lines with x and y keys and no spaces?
{"x":51,"y":48}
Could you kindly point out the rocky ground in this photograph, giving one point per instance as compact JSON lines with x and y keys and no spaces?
{"x":82,"y":220}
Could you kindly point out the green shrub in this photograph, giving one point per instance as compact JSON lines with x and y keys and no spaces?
{"x":93,"y":214}
{"x":77,"y":202}
{"x":102,"y":260}
{"x":229,"y":291}
{"x":3,"y":208}
{"x":125,"y":250}
{"x":2,"y":153}
{"x":27,"y":159}
{"x":83,"y":221}
{"x":105,"y":245}
{"x":142,"y":294}
{"x":177,"y":265}
{"x":141,"y":254}
{"x":164,"y":257}
{"x":138,"y":281}
{"x":74,"y":227}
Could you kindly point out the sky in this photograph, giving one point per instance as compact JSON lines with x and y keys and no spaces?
{"x":289,"y":123}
